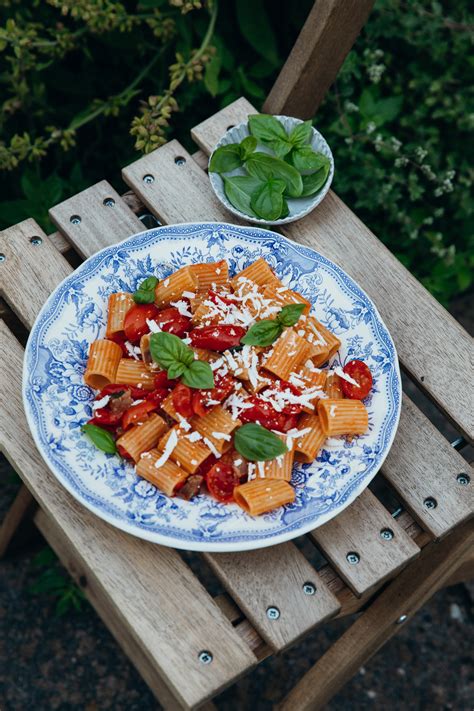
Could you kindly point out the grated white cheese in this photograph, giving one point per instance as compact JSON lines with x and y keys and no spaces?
{"x":339,"y":371}
{"x":169,"y":447}
{"x":332,"y":411}
{"x":222,"y":435}
{"x":212,"y":447}
{"x":237,"y":462}
{"x":189,"y":294}
{"x":182,"y":308}
{"x":193,"y":436}
{"x":251,"y":471}
{"x":97,"y":404}
{"x":261,"y":469}
{"x":131,"y":350}
{"x":194,"y":462}
{"x":183,"y":423}
{"x":166,"y":282}
{"x":153,"y":326}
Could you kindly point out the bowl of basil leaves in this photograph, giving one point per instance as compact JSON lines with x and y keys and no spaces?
{"x":271,"y":169}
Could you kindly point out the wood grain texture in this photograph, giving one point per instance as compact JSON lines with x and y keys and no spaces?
{"x":175,"y":192}
{"x":100,"y":225}
{"x":404,"y":596}
{"x":433,"y":347}
{"x":19,"y":283}
{"x":274,"y":577}
{"x":432,"y":474}
{"x":357,"y":530}
{"x":149,"y":588}
{"x":21,"y":506}
{"x":325,"y":40}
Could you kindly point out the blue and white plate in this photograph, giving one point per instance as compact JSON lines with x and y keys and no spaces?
{"x":57,"y":402}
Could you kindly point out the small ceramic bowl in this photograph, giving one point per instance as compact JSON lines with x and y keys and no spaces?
{"x":298,"y":207}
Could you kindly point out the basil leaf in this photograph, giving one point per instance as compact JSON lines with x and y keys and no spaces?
{"x":266,"y":128}
{"x":247,"y":147}
{"x":315,"y":181}
{"x":305,"y":159}
{"x":285,"y":210}
{"x":290,"y":314}
{"x":301,"y":134}
{"x":225,"y":159}
{"x":257,"y":444}
{"x":239,"y":190}
{"x":198,"y":375}
{"x":145,"y":294}
{"x":263,"y":166}
{"x":267,"y":201}
{"x":102,"y":439}
{"x":167,"y":349}
{"x":176,"y":370}
{"x":281,"y":147}
{"x":263,"y":333}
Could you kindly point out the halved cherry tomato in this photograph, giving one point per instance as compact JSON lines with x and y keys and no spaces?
{"x":221,"y":481}
{"x":222,"y":389}
{"x":137,"y":413}
{"x":217,"y":338}
{"x":162,"y":380}
{"x":206,"y":465}
{"x":183,"y":400}
{"x":171,"y":321}
{"x":135,"y":322}
{"x":101,"y":422}
{"x":119,"y":338}
{"x":112,"y":389}
{"x":156,"y":396}
{"x":360,"y":372}
{"x":291,"y":408}
{"x":216,"y":297}
{"x":265,"y":414}
{"x":123,"y":452}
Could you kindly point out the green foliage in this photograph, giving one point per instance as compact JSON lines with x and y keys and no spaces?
{"x":53,"y":581}
{"x":78,"y":76}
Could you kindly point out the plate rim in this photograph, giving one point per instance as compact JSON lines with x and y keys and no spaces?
{"x":202,"y":545}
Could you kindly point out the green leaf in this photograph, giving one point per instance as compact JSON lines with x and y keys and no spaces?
{"x":267,"y":201}
{"x":225,"y":159}
{"x":290,"y":314}
{"x":255,"y":25}
{"x":102,"y":439}
{"x":305,"y":159}
{"x":249,"y":86}
{"x":263,"y":333}
{"x":285,"y":209}
{"x":301,"y":134}
{"x":257,"y":444}
{"x":281,"y":147}
{"x":167,"y":349}
{"x":315,"y":181}
{"x":198,"y":375}
{"x":247,"y":147}
{"x":211,"y":75}
{"x":145,"y":294}
{"x":239,"y":190}
{"x":261,"y":165}
{"x":388,"y":109}
{"x":266,"y":128}
{"x":176,"y":370}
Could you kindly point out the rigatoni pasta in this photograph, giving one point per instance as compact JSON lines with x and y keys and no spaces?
{"x":211,"y":383}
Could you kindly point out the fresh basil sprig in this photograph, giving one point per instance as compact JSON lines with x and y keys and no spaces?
{"x":232,"y":156}
{"x":102,"y":439}
{"x":257,"y":444}
{"x":145,"y":294}
{"x":306,"y":160}
{"x":178,"y":360}
{"x":267,"y":200}
{"x":265,"y":332}
{"x":263,"y":166}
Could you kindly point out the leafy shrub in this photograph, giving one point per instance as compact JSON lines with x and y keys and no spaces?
{"x":79,"y":76}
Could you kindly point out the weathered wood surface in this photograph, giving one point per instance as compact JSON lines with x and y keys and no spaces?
{"x":95,"y":218}
{"x":431,"y":344}
{"x":404,"y":596}
{"x":354,"y":543}
{"x":275,"y":578}
{"x":22,"y":504}
{"x":325,"y":40}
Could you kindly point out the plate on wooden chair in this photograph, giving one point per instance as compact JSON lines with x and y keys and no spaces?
{"x":57,"y":402}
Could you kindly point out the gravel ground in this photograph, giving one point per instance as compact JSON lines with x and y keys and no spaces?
{"x":52,"y":663}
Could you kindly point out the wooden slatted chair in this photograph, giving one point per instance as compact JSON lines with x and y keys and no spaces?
{"x":387,"y":565}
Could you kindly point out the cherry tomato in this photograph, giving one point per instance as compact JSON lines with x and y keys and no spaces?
{"x":183,"y":400}
{"x":123,"y":452}
{"x":215,"y":297}
{"x":291,"y":408}
{"x":156,"y":396}
{"x":221,"y":481}
{"x":162,"y":380}
{"x":135,"y":323}
{"x":99,"y":422}
{"x":137,"y":413}
{"x":104,"y":416}
{"x":206,"y":465}
{"x":112,"y":389}
{"x":119,"y":338}
{"x":223,"y":388}
{"x":265,"y":414}
{"x":217,"y":338}
{"x":360,"y":372}
{"x":171,"y":321}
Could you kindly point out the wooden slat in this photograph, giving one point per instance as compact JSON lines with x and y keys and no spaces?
{"x":22,"y":504}
{"x":148,"y":588}
{"x":275,"y":578}
{"x":327,"y":36}
{"x":165,"y":196}
{"x":207,"y":133}
{"x":25,"y":296}
{"x":403,"y":597}
{"x":357,"y":531}
{"x":100,"y":225}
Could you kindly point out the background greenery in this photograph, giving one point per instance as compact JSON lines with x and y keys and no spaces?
{"x":86,"y":85}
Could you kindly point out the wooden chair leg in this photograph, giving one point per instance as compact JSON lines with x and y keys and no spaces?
{"x":319,"y":52}
{"x":384,"y":618}
{"x":21,"y":507}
